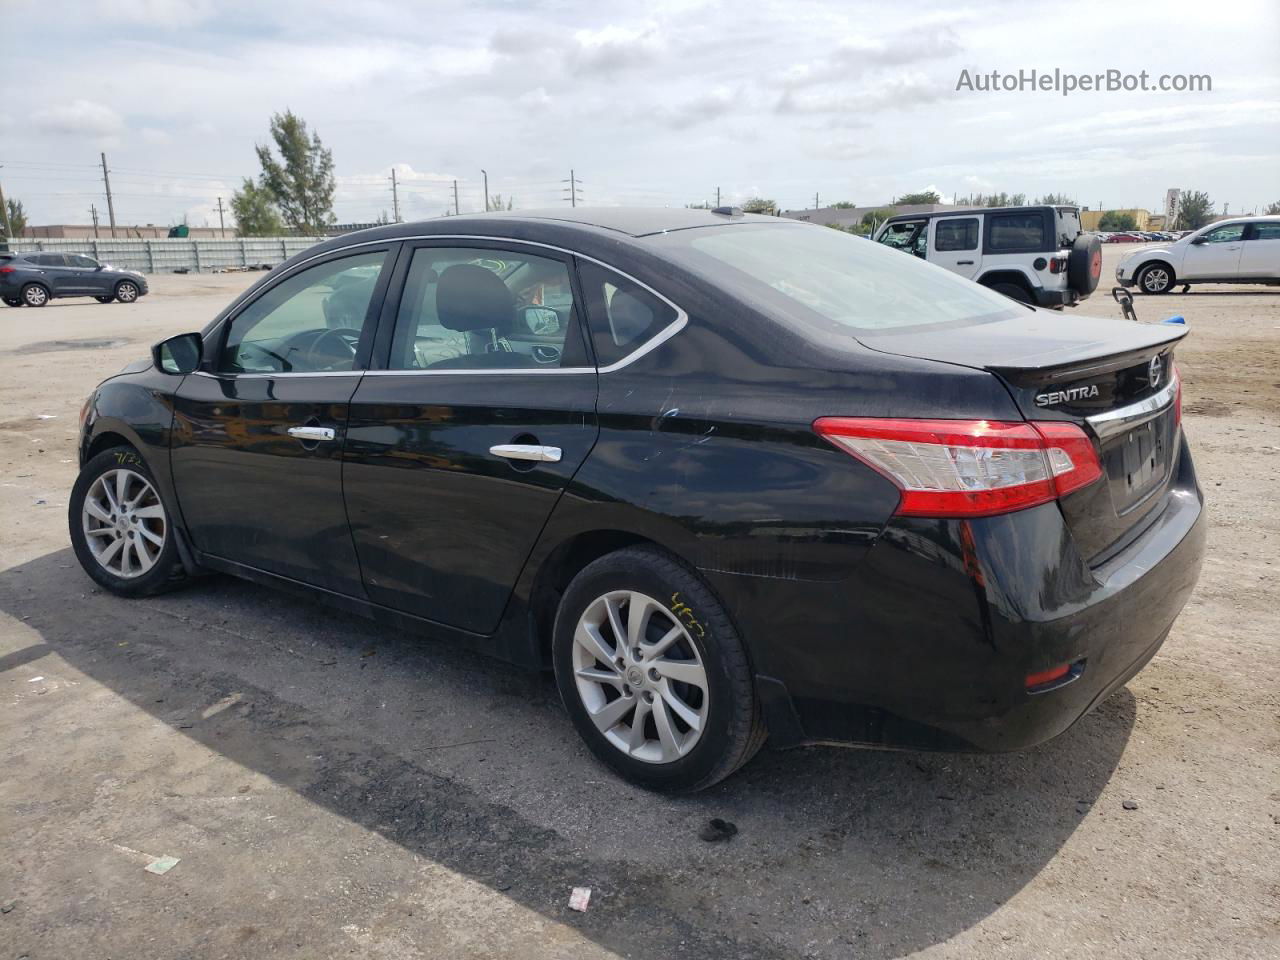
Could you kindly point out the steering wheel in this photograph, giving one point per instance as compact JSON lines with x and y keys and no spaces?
{"x":329,"y":346}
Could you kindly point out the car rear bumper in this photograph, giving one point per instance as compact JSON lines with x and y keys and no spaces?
{"x":1056,"y":298}
{"x":930,"y":644}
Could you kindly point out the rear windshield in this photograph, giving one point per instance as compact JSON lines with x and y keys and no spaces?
{"x":830,"y":278}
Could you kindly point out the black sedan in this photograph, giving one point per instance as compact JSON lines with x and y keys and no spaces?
{"x":728,"y":476}
{"x":33,"y":279}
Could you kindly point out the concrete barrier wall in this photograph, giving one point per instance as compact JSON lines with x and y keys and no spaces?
{"x":165,"y":256}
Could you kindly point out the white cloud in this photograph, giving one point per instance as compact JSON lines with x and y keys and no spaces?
{"x":165,"y":13}
{"x":79,"y":118}
{"x":153,"y":136}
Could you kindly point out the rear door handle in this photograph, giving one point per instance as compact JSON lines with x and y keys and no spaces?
{"x":964,"y":263}
{"x":312,"y":433}
{"x":526,"y":451}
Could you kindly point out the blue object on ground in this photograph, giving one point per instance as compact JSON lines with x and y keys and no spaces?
{"x":1177,"y":318}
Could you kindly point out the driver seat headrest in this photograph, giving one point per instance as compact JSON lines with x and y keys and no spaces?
{"x":469,"y":297}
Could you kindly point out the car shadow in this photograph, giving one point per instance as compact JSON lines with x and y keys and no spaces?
{"x":474,"y":765}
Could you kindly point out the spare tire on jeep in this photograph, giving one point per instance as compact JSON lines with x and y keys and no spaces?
{"x":1084,"y":264}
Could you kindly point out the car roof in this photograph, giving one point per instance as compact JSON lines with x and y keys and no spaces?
{"x":632,"y":221}
{"x":961,"y":211}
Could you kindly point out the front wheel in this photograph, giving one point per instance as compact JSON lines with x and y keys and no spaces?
{"x":126,"y":291}
{"x":653,"y":673}
{"x":1155,"y":278}
{"x":121,"y":532}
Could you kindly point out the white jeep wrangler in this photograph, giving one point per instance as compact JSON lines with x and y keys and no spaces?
{"x":1032,"y":254}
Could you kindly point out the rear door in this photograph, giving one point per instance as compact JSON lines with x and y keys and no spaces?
{"x":259,"y":430}
{"x":1217,"y":256}
{"x":1261,"y":254}
{"x":54,"y":271}
{"x":954,"y":243}
{"x":459,"y":446}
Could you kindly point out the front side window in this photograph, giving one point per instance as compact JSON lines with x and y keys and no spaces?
{"x":621,"y":313}
{"x":1228,"y":234}
{"x":908,"y":235}
{"x":485,"y":309}
{"x":83,"y":262}
{"x":309,"y":323}
{"x":960,"y":234}
{"x":1015,"y":231}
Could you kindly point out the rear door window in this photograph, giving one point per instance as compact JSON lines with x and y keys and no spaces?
{"x":956,"y":234}
{"x":621,"y":314}
{"x":1265,"y":231}
{"x":1016,"y":232}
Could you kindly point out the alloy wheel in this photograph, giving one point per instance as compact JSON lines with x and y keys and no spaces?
{"x":640,"y":676}
{"x":124,"y":523}
{"x":35,"y":296}
{"x":1155,"y":280}
{"x":127,"y":292}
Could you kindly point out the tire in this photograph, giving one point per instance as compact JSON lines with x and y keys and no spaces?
{"x":1084,"y":265}
{"x":126,"y":291}
{"x":35,"y":295}
{"x":13,"y":301}
{"x":1013,"y":291}
{"x":105,"y":299}
{"x":1156,"y":278}
{"x":94,"y":531}
{"x":716,"y":689}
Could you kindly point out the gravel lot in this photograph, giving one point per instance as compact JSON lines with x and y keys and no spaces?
{"x":335,"y":789}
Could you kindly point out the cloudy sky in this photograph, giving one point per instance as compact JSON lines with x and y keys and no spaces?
{"x":655,"y":103}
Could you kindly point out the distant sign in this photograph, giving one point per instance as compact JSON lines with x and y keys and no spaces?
{"x":1171,"y":199}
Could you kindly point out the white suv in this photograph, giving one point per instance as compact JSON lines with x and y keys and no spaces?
{"x":1032,"y":254}
{"x":1243,"y":250}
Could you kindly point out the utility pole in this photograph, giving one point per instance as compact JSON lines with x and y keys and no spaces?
{"x":456,"y":211}
{"x":717,"y":196}
{"x":222,"y":226}
{"x":485,"y":173}
{"x":111,"y":209}
{"x":4,"y":214}
{"x":93,"y":212}
{"x":815,"y":199}
{"x":573,"y":190}
{"x":395,"y":197}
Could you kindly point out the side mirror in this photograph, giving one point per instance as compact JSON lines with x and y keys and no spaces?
{"x":100,"y":267}
{"x":178,"y":355}
{"x":541,"y":321}
{"x":1197,"y":241}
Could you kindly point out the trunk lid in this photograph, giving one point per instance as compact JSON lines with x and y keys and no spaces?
{"x":1113,"y":378}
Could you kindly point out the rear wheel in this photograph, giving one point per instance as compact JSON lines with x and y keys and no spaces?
{"x":13,"y":301}
{"x":120,"y":530}
{"x":34,"y":295}
{"x":1155,"y":278}
{"x":653,"y":674}
{"x":1013,"y":291}
{"x":126,"y":291}
{"x":104,"y":299}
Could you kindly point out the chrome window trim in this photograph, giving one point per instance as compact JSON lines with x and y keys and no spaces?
{"x":659,"y":338}
{"x":283,"y":373}
{"x":1125,"y":418}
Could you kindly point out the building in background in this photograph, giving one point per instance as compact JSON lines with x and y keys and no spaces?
{"x":846,"y":217}
{"x":1141,"y":218}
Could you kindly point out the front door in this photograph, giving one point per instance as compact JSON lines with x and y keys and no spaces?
{"x":459,"y":449}
{"x":1217,"y":256}
{"x":259,"y":432}
{"x":90,"y":278}
{"x":954,"y":244}
{"x":1260,"y":257}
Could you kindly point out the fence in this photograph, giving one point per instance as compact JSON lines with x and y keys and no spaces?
{"x":165,"y":256}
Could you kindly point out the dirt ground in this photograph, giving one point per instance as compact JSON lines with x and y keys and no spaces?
{"x":335,"y":789}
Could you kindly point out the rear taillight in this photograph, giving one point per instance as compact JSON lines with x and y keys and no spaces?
{"x":1058,"y":265}
{"x":6,"y":269}
{"x":969,"y":468}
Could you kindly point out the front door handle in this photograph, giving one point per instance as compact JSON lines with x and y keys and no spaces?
{"x":312,"y":433}
{"x":964,"y":263}
{"x":526,"y":451}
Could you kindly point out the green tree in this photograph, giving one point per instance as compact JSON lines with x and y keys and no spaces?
{"x":17,"y":216}
{"x":1273,"y":209}
{"x":496,"y":202}
{"x":843,"y":205}
{"x":255,"y":211}
{"x":1117,"y":221}
{"x":920,"y":196}
{"x":760,"y":205}
{"x":871,"y":220}
{"x":301,"y":181}
{"x":1195,"y":209}
{"x":1056,"y":200}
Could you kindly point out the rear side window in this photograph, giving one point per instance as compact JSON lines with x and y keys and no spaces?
{"x":622,"y":314}
{"x":956,"y":234}
{"x":1012,"y":232}
{"x":1265,"y":231}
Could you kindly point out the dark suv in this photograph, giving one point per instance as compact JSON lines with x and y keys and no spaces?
{"x":35,"y":278}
